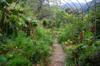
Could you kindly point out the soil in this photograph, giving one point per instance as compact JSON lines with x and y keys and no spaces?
{"x":58,"y":56}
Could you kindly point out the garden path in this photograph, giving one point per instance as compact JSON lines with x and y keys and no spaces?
{"x":58,"y":56}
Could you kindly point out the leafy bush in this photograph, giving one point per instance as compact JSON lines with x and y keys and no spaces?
{"x":42,"y":42}
{"x":72,"y":29}
{"x":3,"y":60}
{"x":43,"y":34}
{"x":84,"y":55}
{"x":21,"y":48}
{"x":69,"y":58}
{"x":41,"y":51}
{"x":19,"y":61}
{"x":69,"y":32}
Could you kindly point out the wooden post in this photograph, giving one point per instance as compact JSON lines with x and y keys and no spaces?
{"x":81,"y":36}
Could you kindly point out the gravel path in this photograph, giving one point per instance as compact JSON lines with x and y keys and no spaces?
{"x":58,"y":56}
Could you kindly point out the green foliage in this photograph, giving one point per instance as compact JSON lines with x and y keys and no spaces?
{"x":47,"y":23}
{"x":2,"y":59}
{"x":3,"y":3}
{"x":67,"y":33}
{"x":10,"y":1}
{"x":19,"y":49}
{"x":88,"y":38}
{"x":22,"y":50}
{"x":34,"y":23}
{"x":83,"y":55}
{"x":19,"y":61}
{"x":86,"y":51}
{"x":71,"y":26}
{"x":71,"y":31}
{"x":69,"y":59}
{"x":92,"y":18}
{"x":42,"y":45}
{"x":43,"y":34}
{"x":41,"y":51}
{"x":21,"y":17}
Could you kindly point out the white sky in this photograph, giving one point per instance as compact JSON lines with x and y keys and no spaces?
{"x":64,"y":1}
{"x":81,"y":1}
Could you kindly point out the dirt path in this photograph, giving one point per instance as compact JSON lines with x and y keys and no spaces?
{"x":58,"y":56}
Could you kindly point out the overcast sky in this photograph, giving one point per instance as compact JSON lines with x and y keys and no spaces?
{"x":81,"y":1}
{"x":64,"y":1}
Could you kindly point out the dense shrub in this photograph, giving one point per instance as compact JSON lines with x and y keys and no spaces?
{"x":72,"y":29}
{"x":84,"y":55}
{"x":19,"y":61}
{"x":43,"y":34}
{"x":70,"y":32}
{"x":23,"y":50}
